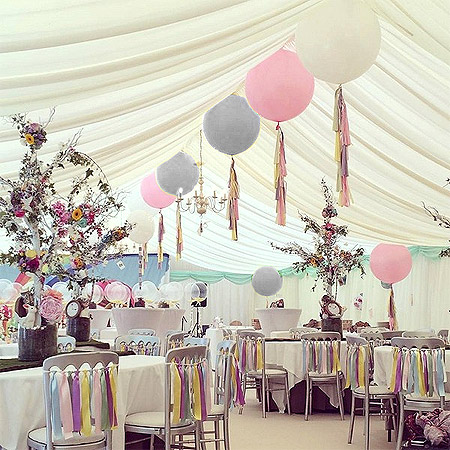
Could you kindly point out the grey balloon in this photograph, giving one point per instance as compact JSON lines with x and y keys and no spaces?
{"x":231,"y":126}
{"x":267,"y":281}
{"x":178,"y":174}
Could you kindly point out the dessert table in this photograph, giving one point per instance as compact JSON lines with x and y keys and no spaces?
{"x":277,"y":319}
{"x":289,"y":354}
{"x":140,"y":388}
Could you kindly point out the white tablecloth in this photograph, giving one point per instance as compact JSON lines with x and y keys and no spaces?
{"x":383,"y":366}
{"x":9,"y":350}
{"x":140,"y":388}
{"x":289,"y":354}
{"x":277,"y":319}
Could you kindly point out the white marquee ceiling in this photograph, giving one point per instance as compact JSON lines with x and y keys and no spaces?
{"x":138,"y":79}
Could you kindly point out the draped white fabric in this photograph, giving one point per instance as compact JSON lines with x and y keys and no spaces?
{"x":138,"y":77}
{"x":422,"y":299}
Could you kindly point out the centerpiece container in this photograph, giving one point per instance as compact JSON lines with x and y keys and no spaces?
{"x":37,"y":344}
{"x":79,"y":328}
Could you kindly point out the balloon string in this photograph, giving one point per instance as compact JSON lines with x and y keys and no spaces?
{"x":342,"y":142}
{"x":280,"y":173}
{"x":160,"y":240}
{"x":392,"y":312}
{"x":233,"y":202}
{"x":179,"y":234}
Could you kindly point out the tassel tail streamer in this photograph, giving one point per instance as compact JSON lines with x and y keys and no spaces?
{"x":341,"y":128}
{"x":233,"y":202}
{"x":179,"y":234}
{"x":161,"y":232}
{"x":279,"y":175}
{"x":392,"y":312}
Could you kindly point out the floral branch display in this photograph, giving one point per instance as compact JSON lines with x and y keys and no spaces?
{"x":45,"y":225}
{"x":331,"y":262}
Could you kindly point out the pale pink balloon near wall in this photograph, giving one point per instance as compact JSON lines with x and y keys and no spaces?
{"x":153,"y":195}
{"x":279,"y":88}
{"x":390,"y":263}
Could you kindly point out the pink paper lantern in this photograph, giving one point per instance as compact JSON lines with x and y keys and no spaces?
{"x":153,"y":195}
{"x":280,"y":87}
{"x":390,"y":263}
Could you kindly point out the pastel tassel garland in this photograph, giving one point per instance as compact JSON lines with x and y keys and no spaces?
{"x":161,"y":232}
{"x":342,"y":142}
{"x":392,"y":312}
{"x":279,"y":175}
{"x":179,"y":234}
{"x":233,"y":202}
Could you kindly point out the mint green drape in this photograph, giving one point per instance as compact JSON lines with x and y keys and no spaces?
{"x":244,"y":278}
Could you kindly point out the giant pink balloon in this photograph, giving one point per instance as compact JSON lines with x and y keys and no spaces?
{"x":279,"y":88}
{"x":153,"y":195}
{"x":390,"y":263}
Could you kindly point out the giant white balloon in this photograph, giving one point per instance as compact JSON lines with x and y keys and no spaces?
{"x":267,"y":281}
{"x":143,"y":226}
{"x":231,"y":126}
{"x":338,"y":40}
{"x":93,"y":292}
{"x":178,"y":175}
{"x":147,"y":291}
{"x":174,"y":291}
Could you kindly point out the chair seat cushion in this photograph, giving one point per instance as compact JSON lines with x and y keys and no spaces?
{"x":151,"y":419}
{"x":216,"y":410}
{"x":434,"y":399}
{"x":77,"y":441}
{"x":269,"y":373}
{"x":375,"y":390}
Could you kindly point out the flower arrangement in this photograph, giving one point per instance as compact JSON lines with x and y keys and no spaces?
{"x":332,"y":263}
{"x":47,"y":223}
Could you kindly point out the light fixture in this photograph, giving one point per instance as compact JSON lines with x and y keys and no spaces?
{"x":200,"y":203}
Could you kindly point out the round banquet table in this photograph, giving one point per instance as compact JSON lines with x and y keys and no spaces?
{"x":140,"y":388}
{"x":289,"y":354}
{"x":383,"y":366}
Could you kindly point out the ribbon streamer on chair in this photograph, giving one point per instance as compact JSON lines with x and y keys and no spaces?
{"x":280,"y":173}
{"x":233,"y":202}
{"x":342,"y":142}
{"x":161,"y":232}
{"x":392,"y":311}
{"x":179,"y":234}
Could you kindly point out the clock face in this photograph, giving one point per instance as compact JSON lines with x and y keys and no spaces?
{"x":73,"y":309}
{"x":334,"y":309}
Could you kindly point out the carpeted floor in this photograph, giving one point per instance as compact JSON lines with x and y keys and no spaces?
{"x":250,"y":431}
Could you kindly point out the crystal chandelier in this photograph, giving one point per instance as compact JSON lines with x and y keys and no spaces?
{"x":199,"y":203}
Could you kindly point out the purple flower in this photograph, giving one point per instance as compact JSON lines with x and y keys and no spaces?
{"x":33,"y":264}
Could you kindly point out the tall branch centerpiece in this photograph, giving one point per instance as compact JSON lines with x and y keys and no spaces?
{"x":56,"y":229}
{"x":331,"y":262}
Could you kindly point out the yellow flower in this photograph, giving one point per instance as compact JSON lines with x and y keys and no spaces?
{"x":77,"y":214}
{"x":29,"y":138}
{"x":30,"y":254}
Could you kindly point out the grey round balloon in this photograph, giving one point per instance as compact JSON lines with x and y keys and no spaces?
{"x":231,"y":126}
{"x":267,"y":281}
{"x":177,"y":175}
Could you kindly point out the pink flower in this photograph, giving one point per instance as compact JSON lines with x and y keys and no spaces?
{"x":50,"y":306}
{"x":19,"y":213}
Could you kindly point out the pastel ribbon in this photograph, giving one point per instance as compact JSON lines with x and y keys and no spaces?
{"x":233,"y":202}
{"x":85,"y":405}
{"x":280,"y":172}
{"x":65,"y":405}
{"x":76,"y":406}
{"x":56,"y":417}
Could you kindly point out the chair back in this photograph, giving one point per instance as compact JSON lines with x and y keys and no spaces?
{"x":321,"y":352}
{"x":250,"y":351}
{"x":443,"y":334}
{"x":142,"y":331}
{"x":227,"y":382}
{"x":227,"y":334}
{"x":357,"y":363}
{"x":66,"y":344}
{"x":70,"y":382}
{"x":391,"y":334}
{"x":190,"y":340}
{"x":139,"y":344}
{"x":296,"y":333}
{"x":419,"y":334}
{"x":418,"y":367}
{"x":187,"y":386}
{"x":175,"y":340}
{"x":371,"y":329}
